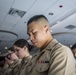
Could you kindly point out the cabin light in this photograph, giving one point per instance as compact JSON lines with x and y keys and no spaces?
{"x":50,"y":13}
{"x":5,"y":47}
{"x":70,"y":46}
{"x":60,"y":6}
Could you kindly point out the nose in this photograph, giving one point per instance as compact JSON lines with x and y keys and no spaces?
{"x":16,"y":52}
{"x":75,"y":54}
{"x":31,"y":37}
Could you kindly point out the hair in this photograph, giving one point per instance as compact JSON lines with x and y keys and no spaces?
{"x":11,"y":49}
{"x":2,"y":58}
{"x":73,"y":47}
{"x":22,"y":42}
{"x":2,"y":61}
{"x":36,"y":18}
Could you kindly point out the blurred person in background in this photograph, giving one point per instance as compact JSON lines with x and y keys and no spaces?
{"x":73,"y":48}
{"x":3,"y":65}
{"x":22,"y":49}
{"x":12,"y":60}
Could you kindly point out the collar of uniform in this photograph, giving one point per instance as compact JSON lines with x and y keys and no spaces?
{"x":50,"y":45}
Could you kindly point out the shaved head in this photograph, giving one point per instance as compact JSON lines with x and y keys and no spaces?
{"x":40,"y":19}
{"x":38,"y":29}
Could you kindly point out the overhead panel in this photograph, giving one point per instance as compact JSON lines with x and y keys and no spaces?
{"x":69,"y":22}
{"x":14,"y":15}
{"x":4,"y":8}
{"x":39,"y":7}
{"x":36,"y":7}
{"x":61,"y":9}
{"x":23,"y":4}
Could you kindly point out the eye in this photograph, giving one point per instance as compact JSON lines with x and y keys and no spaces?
{"x":17,"y":50}
{"x":34,"y":33}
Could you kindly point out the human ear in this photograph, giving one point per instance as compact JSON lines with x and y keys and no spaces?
{"x":46,"y":27}
{"x":25,"y":47}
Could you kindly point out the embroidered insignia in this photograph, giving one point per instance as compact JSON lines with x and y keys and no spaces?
{"x":43,"y":61}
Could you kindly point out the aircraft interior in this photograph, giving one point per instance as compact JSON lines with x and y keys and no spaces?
{"x":14,"y":15}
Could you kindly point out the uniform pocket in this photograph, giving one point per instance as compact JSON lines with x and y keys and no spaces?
{"x":42,"y":66}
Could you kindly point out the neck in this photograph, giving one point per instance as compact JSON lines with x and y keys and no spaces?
{"x":27,"y":55}
{"x":49,"y":39}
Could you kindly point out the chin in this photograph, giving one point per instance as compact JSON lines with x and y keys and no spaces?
{"x":38,"y":46}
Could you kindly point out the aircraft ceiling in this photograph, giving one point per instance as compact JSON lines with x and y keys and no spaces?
{"x":14,"y":15}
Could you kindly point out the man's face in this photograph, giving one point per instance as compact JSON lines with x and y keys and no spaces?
{"x":37,"y":34}
{"x":74,"y":52}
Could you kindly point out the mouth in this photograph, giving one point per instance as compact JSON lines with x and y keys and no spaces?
{"x":17,"y":55}
{"x":34,"y":43}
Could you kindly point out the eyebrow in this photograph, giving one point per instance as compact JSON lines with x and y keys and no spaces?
{"x":16,"y":49}
{"x":30,"y":31}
